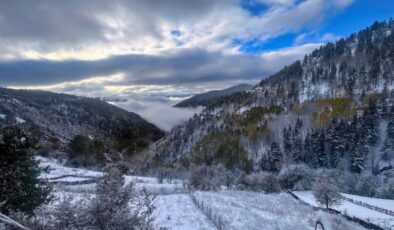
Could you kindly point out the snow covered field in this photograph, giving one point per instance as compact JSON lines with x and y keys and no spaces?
{"x":178,"y":212}
{"x":175,"y":208}
{"x":251,"y":210}
{"x":358,"y":211}
{"x":381,"y":203}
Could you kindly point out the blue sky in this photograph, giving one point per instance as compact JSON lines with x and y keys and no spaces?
{"x":358,"y":15}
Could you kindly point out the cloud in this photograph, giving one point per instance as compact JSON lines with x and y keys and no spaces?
{"x":181,"y":67}
{"x":314,"y":36}
{"x":151,"y":52}
{"x":92,"y":30}
{"x":163,"y":115}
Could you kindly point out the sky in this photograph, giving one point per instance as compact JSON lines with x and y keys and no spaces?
{"x":156,"y":52}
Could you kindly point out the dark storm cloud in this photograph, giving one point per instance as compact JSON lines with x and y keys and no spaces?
{"x":185,"y":66}
{"x":73,"y":21}
{"x":176,"y":67}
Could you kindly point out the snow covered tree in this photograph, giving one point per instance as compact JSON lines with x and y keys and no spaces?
{"x":320,"y":147}
{"x":287,"y":140}
{"x":110,"y":209}
{"x":297,"y":142}
{"x":308,"y":156}
{"x":370,"y":123}
{"x":326,"y":194}
{"x":359,"y":156}
{"x":20,"y":187}
{"x":271,"y":161}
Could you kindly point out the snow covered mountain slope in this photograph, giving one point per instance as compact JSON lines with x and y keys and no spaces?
{"x":56,"y":118}
{"x":207,"y":98}
{"x":332,"y":109}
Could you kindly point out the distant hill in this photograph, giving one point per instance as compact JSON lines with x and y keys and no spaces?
{"x":58,"y":118}
{"x":207,"y":98}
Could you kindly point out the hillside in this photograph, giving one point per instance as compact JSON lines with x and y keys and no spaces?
{"x":205,"y":99}
{"x":333,"y":110}
{"x":55,"y":119}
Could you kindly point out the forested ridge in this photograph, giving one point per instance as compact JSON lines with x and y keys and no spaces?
{"x":332,"y":110}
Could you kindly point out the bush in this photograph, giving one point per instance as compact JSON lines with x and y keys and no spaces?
{"x":266,"y":182}
{"x":270,"y":183}
{"x":85,"y":152}
{"x":367,"y":185}
{"x":297,"y":177}
{"x":387,"y":190}
{"x":209,"y":178}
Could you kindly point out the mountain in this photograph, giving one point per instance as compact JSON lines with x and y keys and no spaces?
{"x":207,"y":98}
{"x":55,"y":119}
{"x":334,"y":109}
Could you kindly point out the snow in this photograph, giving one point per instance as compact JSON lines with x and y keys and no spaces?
{"x":57,"y":170}
{"x":353,"y":210}
{"x":243,"y":110}
{"x":251,"y":210}
{"x":381,"y":203}
{"x":175,"y":208}
{"x":68,"y":174}
{"x":19,"y":120}
{"x":178,"y":212}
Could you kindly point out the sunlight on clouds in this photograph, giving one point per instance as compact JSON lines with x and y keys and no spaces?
{"x":94,"y":80}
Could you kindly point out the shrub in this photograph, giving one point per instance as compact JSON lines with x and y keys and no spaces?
{"x":299,"y":177}
{"x":270,"y":183}
{"x":367,"y":185}
{"x":387,"y":190}
{"x":209,"y":177}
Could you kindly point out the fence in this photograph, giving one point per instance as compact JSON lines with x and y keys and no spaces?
{"x":363,"y":223}
{"x":366,"y":205}
{"x":5,"y":219}
{"x":215,"y":217}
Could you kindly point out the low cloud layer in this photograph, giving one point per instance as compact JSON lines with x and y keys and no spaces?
{"x":162,"y":114}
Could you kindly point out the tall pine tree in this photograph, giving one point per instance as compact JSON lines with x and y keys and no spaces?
{"x":20,"y":187}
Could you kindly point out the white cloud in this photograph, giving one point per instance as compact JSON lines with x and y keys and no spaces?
{"x":59,"y":30}
{"x":314,"y":36}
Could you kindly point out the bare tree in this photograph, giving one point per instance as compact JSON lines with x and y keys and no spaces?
{"x":326,"y":194}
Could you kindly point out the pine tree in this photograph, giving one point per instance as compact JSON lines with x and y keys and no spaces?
{"x":271,"y":162}
{"x":370,"y":123}
{"x":322,"y":157}
{"x":337,"y":147}
{"x":359,"y":156}
{"x":20,"y":187}
{"x":287,"y":140}
{"x":297,"y":141}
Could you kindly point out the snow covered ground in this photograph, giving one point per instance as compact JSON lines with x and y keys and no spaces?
{"x":178,"y":212}
{"x":381,"y":203}
{"x":175,"y":208}
{"x":355,"y":210}
{"x":251,"y":210}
